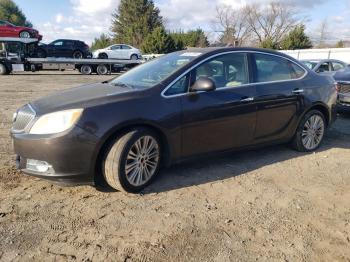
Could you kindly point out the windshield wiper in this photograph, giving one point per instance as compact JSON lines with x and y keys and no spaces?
{"x":122,"y":85}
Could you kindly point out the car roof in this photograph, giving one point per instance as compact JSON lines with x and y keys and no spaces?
{"x":218,"y":50}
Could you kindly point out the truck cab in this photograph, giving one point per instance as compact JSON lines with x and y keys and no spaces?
{"x":13,"y":53}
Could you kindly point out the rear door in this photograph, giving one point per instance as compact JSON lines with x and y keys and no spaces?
{"x":221,"y":119}
{"x":279,"y":96}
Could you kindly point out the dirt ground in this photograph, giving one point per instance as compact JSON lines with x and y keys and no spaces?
{"x":272,"y":204}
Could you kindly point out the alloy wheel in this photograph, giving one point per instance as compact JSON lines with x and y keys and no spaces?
{"x":313,"y":132}
{"x":142,"y":161}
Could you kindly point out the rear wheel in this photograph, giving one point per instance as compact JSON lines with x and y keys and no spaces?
{"x":77,"y":54}
{"x":3,"y":70}
{"x":310,"y":132}
{"x":86,"y":69}
{"x":103,"y":56}
{"x":133,"y":161}
{"x":24,"y":34}
{"x":102,"y":70}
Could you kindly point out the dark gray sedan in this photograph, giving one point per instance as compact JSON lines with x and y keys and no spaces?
{"x":181,"y":105}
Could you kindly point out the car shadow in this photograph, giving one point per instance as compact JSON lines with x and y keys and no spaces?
{"x":224,"y":166}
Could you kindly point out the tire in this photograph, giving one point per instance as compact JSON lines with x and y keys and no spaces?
{"x":310,"y":133}
{"x":77,"y":55}
{"x":103,"y":56}
{"x":102,"y":70}
{"x":3,"y":70}
{"x":86,"y":69}
{"x":134,"y":57}
{"x":121,"y":154}
{"x":24,"y":34}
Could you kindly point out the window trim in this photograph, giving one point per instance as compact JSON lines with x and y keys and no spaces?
{"x":230,"y":87}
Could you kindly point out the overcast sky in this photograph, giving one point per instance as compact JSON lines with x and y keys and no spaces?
{"x":87,"y":19}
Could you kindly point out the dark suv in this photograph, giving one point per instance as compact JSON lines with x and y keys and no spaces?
{"x":65,"y":48}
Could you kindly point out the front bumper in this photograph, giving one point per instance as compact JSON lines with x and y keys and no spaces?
{"x":70,"y":155}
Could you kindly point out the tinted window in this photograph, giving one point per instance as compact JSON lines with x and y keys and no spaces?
{"x":69,"y":43}
{"x":2,"y":23}
{"x":179,"y":87}
{"x":126,"y":47}
{"x":58,"y":43}
{"x":115,"y":47}
{"x":273,"y":68}
{"x":337,"y":66}
{"x":324,"y":67}
{"x":226,"y":70}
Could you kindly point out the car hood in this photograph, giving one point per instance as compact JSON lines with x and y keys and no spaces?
{"x":81,"y":97}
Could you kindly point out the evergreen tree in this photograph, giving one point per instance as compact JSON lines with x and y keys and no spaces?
{"x":296,"y":39}
{"x":340,"y":44}
{"x":134,"y":20}
{"x":10,"y":12}
{"x":101,"y":42}
{"x":196,"y":38}
{"x":158,"y":42}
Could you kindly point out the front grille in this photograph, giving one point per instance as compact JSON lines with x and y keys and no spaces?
{"x":344,"y":88}
{"x":25,"y":115}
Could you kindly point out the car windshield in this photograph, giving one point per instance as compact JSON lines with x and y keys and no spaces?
{"x":310,"y":64}
{"x":155,"y":71}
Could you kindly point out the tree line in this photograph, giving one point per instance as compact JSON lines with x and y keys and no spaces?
{"x":139,"y":23}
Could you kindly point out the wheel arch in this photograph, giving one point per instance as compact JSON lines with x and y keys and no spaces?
{"x":116,"y":132}
{"x":323,"y":108}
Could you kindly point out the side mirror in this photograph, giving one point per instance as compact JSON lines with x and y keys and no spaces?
{"x":203,"y":84}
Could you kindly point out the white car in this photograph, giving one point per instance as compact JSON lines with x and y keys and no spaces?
{"x":118,"y":52}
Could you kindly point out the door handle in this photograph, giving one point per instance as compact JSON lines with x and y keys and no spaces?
{"x":298,"y":91}
{"x":247,"y":99}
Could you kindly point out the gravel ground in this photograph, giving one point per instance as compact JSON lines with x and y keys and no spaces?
{"x":272,"y":204}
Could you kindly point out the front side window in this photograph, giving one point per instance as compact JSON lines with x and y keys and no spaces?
{"x":58,"y":43}
{"x":115,"y":47}
{"x":271,"y":68}
{"x":2,"y":23}
{"x":227,"y":70}
{"x":324,"y":67}
{"x":180,"y":87}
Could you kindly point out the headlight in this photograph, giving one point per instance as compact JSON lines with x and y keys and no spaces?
{"x":56,"y":122}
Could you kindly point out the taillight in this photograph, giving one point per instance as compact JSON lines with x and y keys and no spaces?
{"x":337,"y":86}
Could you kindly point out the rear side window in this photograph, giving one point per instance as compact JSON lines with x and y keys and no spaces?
{"x":337,"y":66}
{"x":271,"y":68}
{"x":126,"y":47}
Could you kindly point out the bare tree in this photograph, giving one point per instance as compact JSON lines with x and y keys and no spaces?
{"x":232,"y":24}
{"x":323,"y":34}
{"x":272,"y":22}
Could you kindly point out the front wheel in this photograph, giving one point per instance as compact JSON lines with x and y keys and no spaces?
{"x":310,"y":132}
{"x":134,"y":57}
{"x":133,"y":161}
{"x":24,"y":34}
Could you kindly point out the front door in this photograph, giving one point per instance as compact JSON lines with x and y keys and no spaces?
{"x":221,"y":119}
